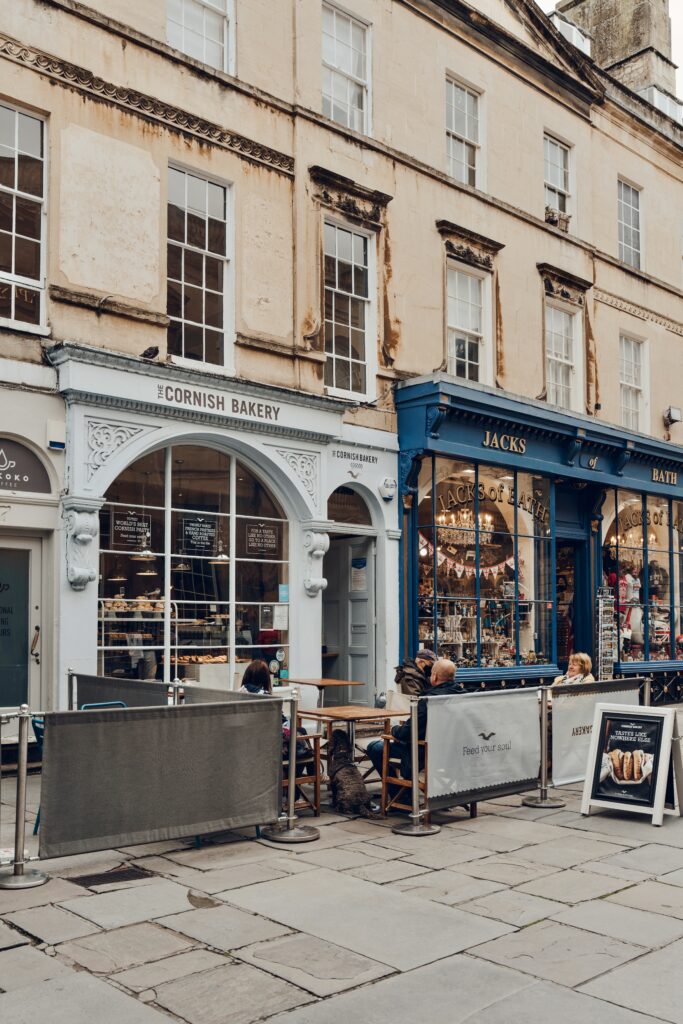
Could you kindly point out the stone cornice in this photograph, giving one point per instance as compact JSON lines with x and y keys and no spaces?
{"x":638,"y":311}
{"x":560,"y":284}
{"x":107,"y":304}
{"x":348,"y":197}
{"x":143,"y":105}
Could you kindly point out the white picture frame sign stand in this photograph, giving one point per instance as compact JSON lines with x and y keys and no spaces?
{"x":668,"y":753}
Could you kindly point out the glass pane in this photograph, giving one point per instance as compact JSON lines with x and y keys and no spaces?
{"x":261,"y":539}
{"x":535,"y":632}
{"x":345,"y":505}
{"x":30,"y":175}
{"x":174,"y":261}
{"x":200,"y":580}
{"x":497,"y":624}
{"x":176,"y":223}
{"x":213,"y":348}
{"x":26,"y":305}
{"x":141,"y":483}
{"x":26,"y":258}
{"x":253,"y":499}
{"x":260,"y":581}
{"x":632,"y":632}
{"x":28,"y":218}
{"x":200,"y":479}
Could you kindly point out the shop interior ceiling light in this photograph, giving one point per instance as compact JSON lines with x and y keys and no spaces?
{"x":143,"y":556}
{"x":147,"y":572}
{"x":182,"y":567}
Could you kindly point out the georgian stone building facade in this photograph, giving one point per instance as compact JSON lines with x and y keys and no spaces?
{"x":232,"y":234}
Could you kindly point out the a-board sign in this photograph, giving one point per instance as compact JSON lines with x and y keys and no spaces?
{"x":634,"y":759}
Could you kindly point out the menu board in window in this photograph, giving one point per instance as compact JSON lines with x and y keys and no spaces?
{"x":263,"y":538}
{"x":130,"y":530}
{"x":198,"y":535}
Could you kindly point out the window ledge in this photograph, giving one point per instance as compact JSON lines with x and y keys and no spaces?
{"x":22,"y":328}
{"x":197,"y":364}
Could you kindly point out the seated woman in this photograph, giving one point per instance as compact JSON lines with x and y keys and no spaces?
{"x":578,"y":670}
{"x":256,"y":678}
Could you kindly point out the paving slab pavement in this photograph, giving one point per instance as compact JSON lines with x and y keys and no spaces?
{"x":654,"y":984}
{"x":122,"y":948}
{"x":367,"y":918}
{"x":76,"y":998}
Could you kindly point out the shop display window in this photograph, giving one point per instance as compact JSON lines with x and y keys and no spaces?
{"x":193,"y":569}
{"x":641,"y":563}
{"x":485,"y":565}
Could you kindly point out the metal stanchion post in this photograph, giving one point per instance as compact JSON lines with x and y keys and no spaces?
{"x":17,"y":877}
{"x":416,"y":827}
{"x":647,"y":692}
{"x":286,"y":830}
{"x":543,"y":800}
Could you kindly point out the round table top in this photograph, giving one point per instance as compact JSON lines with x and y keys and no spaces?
{"x":353,"y":713}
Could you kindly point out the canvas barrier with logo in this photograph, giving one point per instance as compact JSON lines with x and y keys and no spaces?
{"x":573,"y":711}
{"x":136,"y":693}
{"x":121,"y":777}
{"x":482,"y":744}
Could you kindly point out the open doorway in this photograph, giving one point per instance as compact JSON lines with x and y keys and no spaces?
{"x":348,"y":631}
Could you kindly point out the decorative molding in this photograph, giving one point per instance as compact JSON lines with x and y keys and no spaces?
{"x":436,"y":414}
{"x":316,"y":546}
{"x":409,"y":470}
{"x":306,"y":467}
{"x":346,"y":196}
{"x":105,"y":438}
{"x":560,"y":284}
{"x":107,"y":304}
{"x":468,"y":246}
{"x":641,"y":312}
{"x":82,"y":521}
{"x":145,"y":106}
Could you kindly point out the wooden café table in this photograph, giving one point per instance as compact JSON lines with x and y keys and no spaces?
{"x":322,"y":685}
{"x":349,"y":715}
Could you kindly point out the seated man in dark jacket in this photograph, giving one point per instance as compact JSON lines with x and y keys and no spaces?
{"x":412,"y":676}
{"x":442,"y":681}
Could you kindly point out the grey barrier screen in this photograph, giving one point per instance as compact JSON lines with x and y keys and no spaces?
{"x":203,"y":695}
{"x":573,"y":712}
{"x":134,"y":693}
{"x":481,"y":744}
{"x":121,"y":777}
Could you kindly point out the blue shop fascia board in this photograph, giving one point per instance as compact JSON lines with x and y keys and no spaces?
{"x":438,"y":416}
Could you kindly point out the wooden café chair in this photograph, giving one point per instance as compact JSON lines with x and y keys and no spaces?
{"x":401,"y":797}
{"x":305,"y":776}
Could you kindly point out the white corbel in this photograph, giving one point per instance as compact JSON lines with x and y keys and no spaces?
{"x":316,"y":546}
{"x":82,"y":528}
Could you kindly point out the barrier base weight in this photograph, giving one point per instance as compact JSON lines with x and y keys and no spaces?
{"x":298,"y":834}
{"x":407,"y":828}
{"x":27,"y":880}
{"x":551,"y":802}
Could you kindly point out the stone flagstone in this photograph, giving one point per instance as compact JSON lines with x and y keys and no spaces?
{"x":26,"y":967}
{"x":51,"y":924}
{"x":652,"y":985}
{"x":543,"y":1003}
{"x":9,"y":937}
{"x":131,"y":906}
{"x":567,"y":852}
{"x":573,"y":886}
{"x":607,"y":918}
{"x":558,"y":953}
{"x":447,"y":887}
{"x":315,"y":965}
{"x":138,"y":979}
{"x":124,"y":947}
{"x":513,"y":907}
{"x":225,"y":927}
{"x":451,"y":991}
{"x":403,"y":932}
{"x":651,"y":859}
{"x":54,"y":891}
{"x":654,"y":896}
{"x":509,"y":869}
{"x":235,"y":994}
{"x":76,"y":998}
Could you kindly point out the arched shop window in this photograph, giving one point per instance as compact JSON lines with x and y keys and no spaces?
{"x":346,"y":506}
{"x":642,"y":561}
{"x":485,"y":589}
{"x":193,"y":569}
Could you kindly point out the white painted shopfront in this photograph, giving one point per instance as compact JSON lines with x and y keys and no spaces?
{"x":197,"y":530}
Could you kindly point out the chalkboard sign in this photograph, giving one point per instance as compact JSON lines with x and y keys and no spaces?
{"x":633,"y":763}
{"x":198,"y":535}
{"x":263,"y":538}
{"x":130,"y":530}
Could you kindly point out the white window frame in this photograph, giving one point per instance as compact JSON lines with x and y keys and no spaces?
{"x":229,"y":312}
{"x":621,"y":180}
{"x":228,"y":16}
{"x":568,"y":193}
{"x":41,"y":328}
{"x":371,"y":340}
{"x":577,"y":371}
{"x":644,"y":388}
{"x":367,"y":84}
{"x":486,"y":342}
{"x":459,"y":83}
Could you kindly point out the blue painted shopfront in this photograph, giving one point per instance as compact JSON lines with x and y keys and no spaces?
{"x":515,"y":514}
